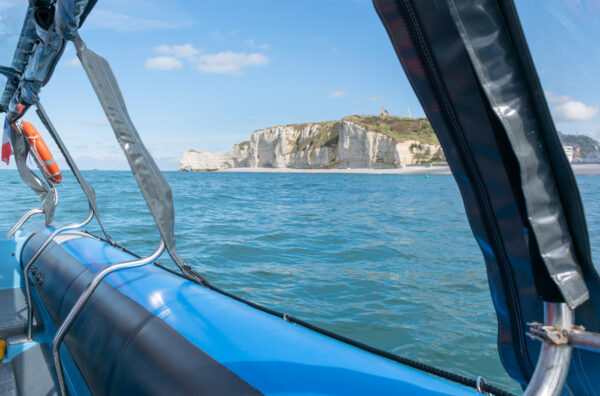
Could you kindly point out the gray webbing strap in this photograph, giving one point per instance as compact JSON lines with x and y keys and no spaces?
{"x":47,"y":195}
{"x":9,"y":72}
{"x":534,"y":142}
{"x":152,"y":183}
{"x":87,"y":188}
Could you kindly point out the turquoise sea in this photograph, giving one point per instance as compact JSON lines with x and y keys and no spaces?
{"x":386,"y":259}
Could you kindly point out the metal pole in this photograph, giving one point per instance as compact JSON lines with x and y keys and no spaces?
{"x":553,"y":363}
{"x":585,"y":340}
{"x":32,"y":260}
{"x":80,"y":303}
{"x":22,"y":221}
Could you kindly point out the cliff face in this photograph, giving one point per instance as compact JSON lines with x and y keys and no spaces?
{"x":321,"y":145}
{"x":237,"y":157}
{"x":360,"y":148}
{"x":290,"y":147}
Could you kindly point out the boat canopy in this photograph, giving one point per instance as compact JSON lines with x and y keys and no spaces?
{"x":47,"y":27}
{"x":471,"y":69}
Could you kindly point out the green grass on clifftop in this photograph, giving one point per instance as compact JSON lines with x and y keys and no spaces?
{"x":245,"y":145}
{"x":327,"y":136}
{"x":399,"y":128}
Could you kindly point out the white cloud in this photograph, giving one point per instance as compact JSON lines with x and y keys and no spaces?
{"x":253,"y":44}
{"x":574,"y":110}
{"x":73,"y":62}
{"x":226,"y":62}
{"x":178,"y":51}
{"x":338,"y":94}
{"x":568,"y":109}
{"x":105,"y":19}
{"x":163,"y":63}
{"x":376,"y":98}
{"x":230,"y":62}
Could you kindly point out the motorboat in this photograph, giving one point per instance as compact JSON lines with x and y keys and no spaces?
{"x":82,"y":315}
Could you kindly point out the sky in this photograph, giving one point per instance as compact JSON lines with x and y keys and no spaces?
{"x":205,"y":75}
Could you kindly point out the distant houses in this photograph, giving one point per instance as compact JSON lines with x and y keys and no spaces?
{"x":580,"y":148}
{"x":569,"y":152}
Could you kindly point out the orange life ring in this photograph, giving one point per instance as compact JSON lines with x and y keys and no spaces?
{"x":40,"y":150}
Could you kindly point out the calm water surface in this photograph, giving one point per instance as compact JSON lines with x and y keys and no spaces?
{"x":386,"y":259}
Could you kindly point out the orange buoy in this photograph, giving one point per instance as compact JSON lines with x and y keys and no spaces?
{"x":40,"y":150}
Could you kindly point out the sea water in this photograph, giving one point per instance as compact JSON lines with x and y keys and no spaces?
{"x":388,"y":260}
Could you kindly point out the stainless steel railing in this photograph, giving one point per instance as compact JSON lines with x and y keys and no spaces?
{"x":582,"y":339}
{"x":555,"y":357}
{"x":22,"y":221}
{"x":35,"y":256}
{"x":80,"y":303}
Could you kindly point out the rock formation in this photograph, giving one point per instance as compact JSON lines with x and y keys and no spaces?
{"x":353,"y":142}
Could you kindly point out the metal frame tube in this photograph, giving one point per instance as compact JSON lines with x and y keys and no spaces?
{"x":553,"y":362}
{"x":80,"y":303}
{"x":35,"y":256}
{"x":87,"y":188}
{"x":585,"y":340}
{"x":22,"y":221}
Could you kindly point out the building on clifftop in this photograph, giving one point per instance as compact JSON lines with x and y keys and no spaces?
{"x":383,"y":113}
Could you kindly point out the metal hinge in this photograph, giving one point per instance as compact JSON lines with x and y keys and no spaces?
{"x":575,"y":336}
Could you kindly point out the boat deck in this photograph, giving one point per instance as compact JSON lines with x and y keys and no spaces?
{"x":25,"y":368}
{"x":13,"y":314}
{"x":28,"y":373}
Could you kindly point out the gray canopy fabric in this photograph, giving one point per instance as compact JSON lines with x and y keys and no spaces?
{"x":152,"y":183}
{"x":22,"y":53}
{"x":70,"y":15}
{"x":507,"y":89}
{"x":47,"y":195}
{"x":39,"y":48}
{"x":470,"y":67}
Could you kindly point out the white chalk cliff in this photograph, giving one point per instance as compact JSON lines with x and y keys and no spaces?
{"x":344,"y":144}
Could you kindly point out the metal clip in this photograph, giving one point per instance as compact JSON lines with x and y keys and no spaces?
{"x":546,"y":333}
{"x":479,"y":384}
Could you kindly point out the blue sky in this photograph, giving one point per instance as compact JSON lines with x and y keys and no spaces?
{"x":205,"y":75}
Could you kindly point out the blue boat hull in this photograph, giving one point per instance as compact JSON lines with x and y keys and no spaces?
{"x":150,"y":331}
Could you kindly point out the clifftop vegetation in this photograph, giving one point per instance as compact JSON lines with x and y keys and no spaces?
{"x":400,"y":129}
{"x":327,"y":136}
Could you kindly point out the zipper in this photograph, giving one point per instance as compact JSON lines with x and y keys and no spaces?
{"x":510,"y":290}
